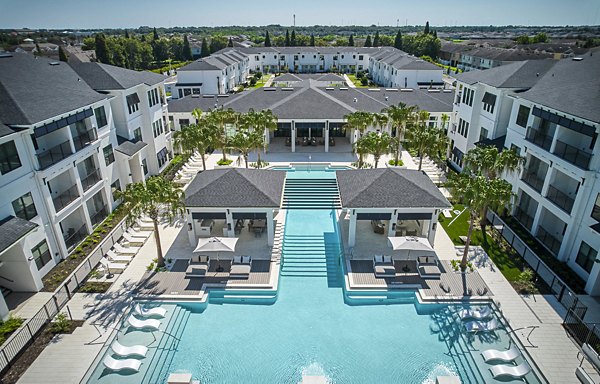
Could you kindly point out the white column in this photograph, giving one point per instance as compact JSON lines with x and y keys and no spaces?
{"x":267,"y":137}
{"x":326,"y":136}
{"x":392,"y":224}
{"x":270,"y":227}
{"x":229,"y":226}
{"x":293,"y":129}
{"x":352,"y":229}
{"x":191,"y":230}
{"x":432,"y":227}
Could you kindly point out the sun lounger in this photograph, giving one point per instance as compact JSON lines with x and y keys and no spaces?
{"x":481,"y":326}
{"x":198,"y":266}
{"x":112,"y":268}
{"x":133,"y":240}
{"x":149,"y":312}
{"x":112,"y":256}
{"x":141,"y":324}
{"x":516,"y":372}
{"x":384,"y":266}
{"x":241,"y":266}
{"x":506,"y":356}
{"x":477,"y":314}
{"x":121,"y":365}
{"x":124,"y":351}
{"x":138,"y":233}
{"x":119,"y":248}
{"x":447,"y":213}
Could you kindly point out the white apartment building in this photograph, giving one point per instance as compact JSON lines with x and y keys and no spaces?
{"x":57,"y":164}
{"x":223,"y":71}
{"x":548,"y":111}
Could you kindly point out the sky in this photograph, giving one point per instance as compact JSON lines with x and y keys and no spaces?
{"x":90,"y":14}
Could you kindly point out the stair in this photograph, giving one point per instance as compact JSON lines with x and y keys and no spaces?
{"x":311,"y":193}
{"x":243,"y":296}
{"x":308,"y":255}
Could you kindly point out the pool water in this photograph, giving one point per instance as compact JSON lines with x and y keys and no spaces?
{"x":313,"y":327}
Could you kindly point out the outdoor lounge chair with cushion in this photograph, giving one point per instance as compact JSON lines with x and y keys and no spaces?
{"x":121,"y":365}
{"x":124,"y":351}
{"x":428,"y":267}
{"x":149,"y":312}
{"x":138,"y":233}
{"x":198,"y":266}
{"x":121,"y":249}
{"x":241,"y":266}
{"x":112,"y":256}
{"x":510,"y":370}
{"x":384,"y":266}
{"x":506,"y":356}
{"x":134,"y":240}
{"x":481,"y":326}
{"x":112,"y":268}
{"x":478,"y":314}
{"x":152,"y":324}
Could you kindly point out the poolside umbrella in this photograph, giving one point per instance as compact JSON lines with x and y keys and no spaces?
{"x":216,"y":244}
{"x":409,"y":243}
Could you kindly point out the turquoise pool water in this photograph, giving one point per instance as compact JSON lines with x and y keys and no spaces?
{"x":311,"y":327}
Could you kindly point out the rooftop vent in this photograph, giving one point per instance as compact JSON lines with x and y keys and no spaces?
{"x":329,"y":89}
{"x":373,"y":89}
{"x":5,"y":54}
{"x":355,"y":100}
{"x":195,"y":96}
{"x":287,"y":89}
{"x":406,"y":89}
{"x":54,"y":63}
{"x":577,"y":59}
{"x":222,"y":95}
{"x":208,"y":96}
{"x":447,"y":91}
{"x":269,"y":89}
{"x":434,"y":90}
{"x":343,"y":88}
{"x":392,"y":89}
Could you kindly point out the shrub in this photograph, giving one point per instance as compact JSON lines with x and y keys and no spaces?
{"x":394,"y":163}
{"x":150,"y":267}
{"x":62,"y":324}
{"x":253,"y":81}
{"x":224,"y":162}
{"x":364,"y":81}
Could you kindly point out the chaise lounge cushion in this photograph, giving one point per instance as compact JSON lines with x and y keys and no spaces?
{"x":385,"y":270}
{"x":429,"y":271}
{"x":240,"y":270}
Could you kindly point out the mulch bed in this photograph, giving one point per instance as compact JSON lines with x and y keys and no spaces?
{"x":95,"y":287}
{"x":29,"y":354}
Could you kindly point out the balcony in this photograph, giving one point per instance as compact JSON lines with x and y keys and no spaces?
{"x":560,"y":199}
{"x":548,"y":240}
{"x":538,"y":138}
{"x":524,"y":218}
{"x":65,"y":198}
{"x":72,"y":237}
{"x":533,"y":180}
{"x":99,"y":216}
{"x":54,"y":155}
{"x":85,"y":139}
{"x":572,"y":154}
{"x":91,"y":179}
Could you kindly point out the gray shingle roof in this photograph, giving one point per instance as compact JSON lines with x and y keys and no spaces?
{"x":12,"y":229}
{"x":108,"y":77}
{"x":236,"y":187}
{"x":33,"y":90}
{"x":128,"y":147}
{"x":388,"y":188}
{"x":5,"y":130}
{"x":519,"y":75}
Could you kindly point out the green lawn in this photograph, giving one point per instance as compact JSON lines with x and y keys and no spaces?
{"x":356,"y":82}
{"x":509,"y":264}
{"x":261,"y":82}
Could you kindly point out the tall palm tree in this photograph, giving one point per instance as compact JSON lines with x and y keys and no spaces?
{"x":245,"y":141}
{"x":359,"y":120}
{"x":376,"y":144}
{"x":222,"y":118}
{"x":400,"y":117}
{"x":420,"y":136}
{"x":199,"y":136}
{"x":477,"y":193}
{"x":381,"y":121}
{"x":158,"y":198}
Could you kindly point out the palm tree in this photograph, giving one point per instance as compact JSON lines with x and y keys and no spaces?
{"x":262,"y":122}
{"x":199,"y":136}
{"x":376,"y":144}
{"x":245,"y":142}
{"x":158,"y":198}
{"x":477,"y":193}
{"x":400,"y":118}
{"x":419,"y":136}
{"x":359,"y":120}
{"x":221,"y":118}
{"x":380,"y":120}
{"x":360,"y":147}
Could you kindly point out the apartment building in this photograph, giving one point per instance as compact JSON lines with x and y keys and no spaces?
{"x":58,"y":145}
{"x":549,"y":113}
{"x":223,"y":71}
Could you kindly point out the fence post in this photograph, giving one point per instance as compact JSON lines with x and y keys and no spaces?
{"x":29,"y":329}
{"x":56,"y":303}
{"x":67,"y":289}
{"x":47,"y":313}
{"x":8,"y":362}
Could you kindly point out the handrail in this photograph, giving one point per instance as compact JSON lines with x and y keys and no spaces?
{"x":54,"y":155}
{"x":560,"y":199}
{"x":572,"y":154}
{"x":90,"y":179}
{"x":538,"y":138}
{"x":84,"y":139}
{"x":65,"y":198}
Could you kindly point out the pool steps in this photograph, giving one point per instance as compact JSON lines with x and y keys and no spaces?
{"x":311,"y":194}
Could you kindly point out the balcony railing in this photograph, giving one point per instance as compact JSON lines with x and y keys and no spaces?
{"x":85,"y":139}
{"x":524,"y":218}
{"x":54,"y":155}
{"x":560,"y":199}
{"x":72,"y":237}
{"x":572,"y":154}
{"x":90,"y":180}
{"x":533,"y":180}
{"x":65,"y":198}
{"x":100,"y":215}
{"x":538,"y":138}
{"x":548,"y":240}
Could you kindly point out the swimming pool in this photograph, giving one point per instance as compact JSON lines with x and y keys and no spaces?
{"x":312,"y":327}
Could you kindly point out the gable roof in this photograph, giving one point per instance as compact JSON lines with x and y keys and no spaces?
{"x":108,"y":77}
{"x":36,"y":89}
{"x":388,"y":188}
{"x":519,"y":75}
{"x":12,"y":229}
{"x":128,"y":147}
{"x":236,"y":187}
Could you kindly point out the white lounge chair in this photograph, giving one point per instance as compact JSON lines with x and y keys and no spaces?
{"x":134,"y":240}
{"x":112,"y":256}
{"x":124,"y":351}
{"x":121,"y":365}
{"x":383,"y":266}
{"x":516,"y":372}
{"x":149,"y":312}
{"x":119,"y":248}
{"x":139,"y":234}
{"x":241,"y":266}
{"x":112,"y":268}
{"x":506,"y":356}
{"x":481,"y":326}
{"x":478,"y":314}
{"x":152,"y":324}
{"x":144,"y":225}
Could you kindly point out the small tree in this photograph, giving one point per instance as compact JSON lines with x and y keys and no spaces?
{"x":368,"y":41}
{"x":230,"y":42}
{"x":126,"y":34}
{"x":293,"y":38}
{"x":398,"y":40}
{"x":205,"y":49}
{"x":376,"y":42}
{"x":102,"y":49}
{"x":312,"y":40}
{"x":187,"y":50}
{"x":158,"y":198}
{"x":376,"y":144}
{"x":62,"y":54}
{"x":287,"y":38}
{"x":267,"y":39}
{"x":426,"y":30}
{"x":154,"y":34}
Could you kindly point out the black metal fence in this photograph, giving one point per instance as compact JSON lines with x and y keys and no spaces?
{"x":582,"y":332}
{"x":22,"y":337}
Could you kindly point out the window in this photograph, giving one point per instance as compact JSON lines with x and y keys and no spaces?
{"x":24,"y":207}
{"x":9,"y":157}
{"x":596,"y":209}
{"x":360,"y":57}
{"x":463,"y":128}
{"x":157,"y":128}
{"x":137,"y":134}
{"x":523,"y":115}
{"x":153,"y":97}
{"x":295,"y":57}
{"x":467,"y":96}
{"x":257,"y":58}
{"x":116,"y":186}
{"x":100,"y":116}
{"x":41,"y":254}
{"x":109,"y":156}
{"x":335,"y":57}
{"x":483,"y":134}
{"x":586,"y":256}
{"x":162,"y":157}
{"x":489,"y":101}
{"x":133,"y":102}
{"x":184,"y":122}
{"x":145,"y":166}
